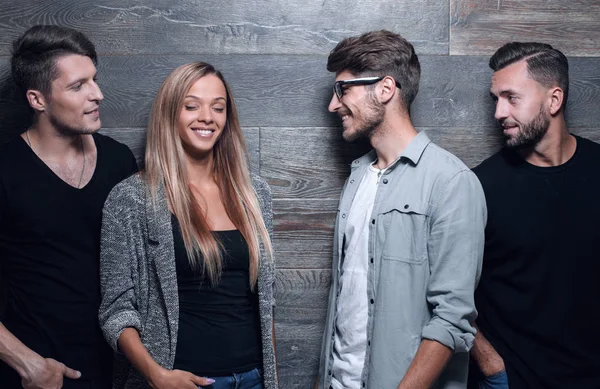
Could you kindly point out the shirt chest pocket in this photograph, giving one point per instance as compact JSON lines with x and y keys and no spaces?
{"x":406,"y":230}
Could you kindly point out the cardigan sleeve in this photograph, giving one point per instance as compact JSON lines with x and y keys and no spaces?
{"x":118,"y":308}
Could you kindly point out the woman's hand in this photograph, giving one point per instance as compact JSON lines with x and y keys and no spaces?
{"x":177,"y":379}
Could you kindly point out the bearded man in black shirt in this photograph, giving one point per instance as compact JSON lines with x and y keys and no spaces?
{"x":538,"y":295}
{"x":54,"y":179}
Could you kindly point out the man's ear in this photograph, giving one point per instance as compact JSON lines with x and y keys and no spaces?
{"x":556,"y":96}
{"x":388,"y":89}
{"x":36,"y":100}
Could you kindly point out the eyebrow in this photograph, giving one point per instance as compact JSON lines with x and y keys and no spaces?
{"x":198,"y":98}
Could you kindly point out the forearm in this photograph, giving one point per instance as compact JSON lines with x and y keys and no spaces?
{"x":429,"y":362}
{"x":131,"y":345}
{"x":15,"y":354}
{"x":486,"y":356}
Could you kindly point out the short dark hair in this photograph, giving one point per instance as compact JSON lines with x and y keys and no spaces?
{"x":379,"y":53}
{"x":34,"y":55}
{"x":545,"y":64}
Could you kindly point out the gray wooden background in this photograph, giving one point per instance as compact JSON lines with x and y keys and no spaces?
{"x":273,"y":53}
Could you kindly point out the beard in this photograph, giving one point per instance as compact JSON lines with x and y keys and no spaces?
{"x":529,"y":133}
{"x":69,"y":130}
{"x":368,"y":121}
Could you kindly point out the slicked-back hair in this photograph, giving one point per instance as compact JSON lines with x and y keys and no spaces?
{"x":545,"y":64}
{"x":35,"y":53}
{"x":379,"y":53}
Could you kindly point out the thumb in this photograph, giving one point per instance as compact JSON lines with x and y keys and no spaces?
{"x":201,"y":381}
{"x":70,"y":373}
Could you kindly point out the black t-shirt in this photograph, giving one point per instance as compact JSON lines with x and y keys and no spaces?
{"x":219,"y":327}
{"x":49,"y":252}
{"x":539,"y":294}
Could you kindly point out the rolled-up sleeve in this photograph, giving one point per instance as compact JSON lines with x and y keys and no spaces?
{"x":118,"y":305}
{"x":455,"y":249}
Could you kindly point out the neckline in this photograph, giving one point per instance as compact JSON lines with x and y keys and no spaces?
{"x":174,"y":218}
{"x":41,"y":163}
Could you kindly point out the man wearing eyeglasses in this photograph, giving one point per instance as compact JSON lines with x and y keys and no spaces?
{"x":409,"y":234}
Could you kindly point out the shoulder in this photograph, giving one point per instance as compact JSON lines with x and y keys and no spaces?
{"x":113,"y":147}
{"x":442,"y":166}
{"x":587,"y":145}
{"x":11,"y":150}
{"x":126,"y":195}
{"x":262,"y":189}
{"x":497,"y":167}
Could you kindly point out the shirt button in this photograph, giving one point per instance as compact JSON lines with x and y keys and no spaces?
{"x":372,"y":301}
{"x":373,"y":221}
{"x":329,"y":372}
{"x":369,"y":342}
{"x":352,"y":181}
{"x":405,"y":206}
{"x":363,"y":384}
{"x":371,"y":260}
{"x":343,"y":216}
{"x":385,"y":181}
{"x":356,"y":162}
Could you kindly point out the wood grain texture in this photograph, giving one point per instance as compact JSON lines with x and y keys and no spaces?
{"x":294,"y":91}
{"x":235,"y":27}
{"x":303,"y":233}
{"x":479,"y":27}
{"x":306,"y":162}
{"x":301,"y":306}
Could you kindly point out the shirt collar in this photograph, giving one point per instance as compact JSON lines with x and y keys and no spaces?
{"x":412,"y":152}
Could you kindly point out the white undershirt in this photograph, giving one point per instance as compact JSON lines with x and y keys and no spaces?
{"x":350,"y":340}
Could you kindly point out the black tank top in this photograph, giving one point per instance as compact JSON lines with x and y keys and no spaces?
{"x":219,"y":326}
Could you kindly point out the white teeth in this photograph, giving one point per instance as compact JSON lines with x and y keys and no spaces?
{"x":204,"y":132}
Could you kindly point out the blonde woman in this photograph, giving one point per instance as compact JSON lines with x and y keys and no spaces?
{"x":186,"y":260}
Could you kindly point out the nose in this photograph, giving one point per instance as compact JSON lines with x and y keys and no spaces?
{"x":501,"y":110}
{"x":96,"y":93}
{"x":205,"y":115}
{"x":334,"y":104}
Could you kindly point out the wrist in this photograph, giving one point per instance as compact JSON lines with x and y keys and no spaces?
{"x":155,"y":374}
{"x":27,"y":368}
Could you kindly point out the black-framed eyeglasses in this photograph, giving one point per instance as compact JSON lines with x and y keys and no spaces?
{"x":338,"y":86}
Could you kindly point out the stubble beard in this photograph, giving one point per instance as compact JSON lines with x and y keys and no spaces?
{"x":530,"y":133}
{"x":67,"y":130}
{"x":372,"y":118}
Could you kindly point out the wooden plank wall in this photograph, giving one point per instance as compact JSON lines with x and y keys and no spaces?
{"x":274,"y":54}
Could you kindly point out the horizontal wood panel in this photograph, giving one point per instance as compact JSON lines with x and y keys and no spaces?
{"x":302,"y":288}
{"x":301,"y":307}
{"x":256,"y":27}
{"x":481,"y":27}
{"x":295,"y":91}
{"x":303,"y":237}
{"x":306,"y":162}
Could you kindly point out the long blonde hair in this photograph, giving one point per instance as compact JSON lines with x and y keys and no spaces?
{"x":165,"y":164}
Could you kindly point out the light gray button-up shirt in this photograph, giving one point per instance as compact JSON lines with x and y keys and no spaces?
{"x":426,"y":240}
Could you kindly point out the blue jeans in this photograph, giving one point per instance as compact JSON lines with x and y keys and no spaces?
{"x":495,"y":381}
{"x":252,"y":379}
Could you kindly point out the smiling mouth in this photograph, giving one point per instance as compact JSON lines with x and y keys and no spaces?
{"x":93,"y":111}
{"x":203,"y":131}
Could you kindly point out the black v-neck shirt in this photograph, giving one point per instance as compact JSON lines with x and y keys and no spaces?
{"x":219,"y":327}
{"x":49,"y":253}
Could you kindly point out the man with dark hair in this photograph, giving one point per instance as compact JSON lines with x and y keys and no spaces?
{"x":54,"y":179}
{"x":408,"y":236}
{"x":538,"y":296}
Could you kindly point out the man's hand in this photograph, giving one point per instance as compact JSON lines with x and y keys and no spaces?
{"x":47,"y":373}
{"x":177,"y":379}
{"x":487,"y":358}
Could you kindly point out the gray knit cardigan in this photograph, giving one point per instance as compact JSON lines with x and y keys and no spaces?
{"x":139,"y":281}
